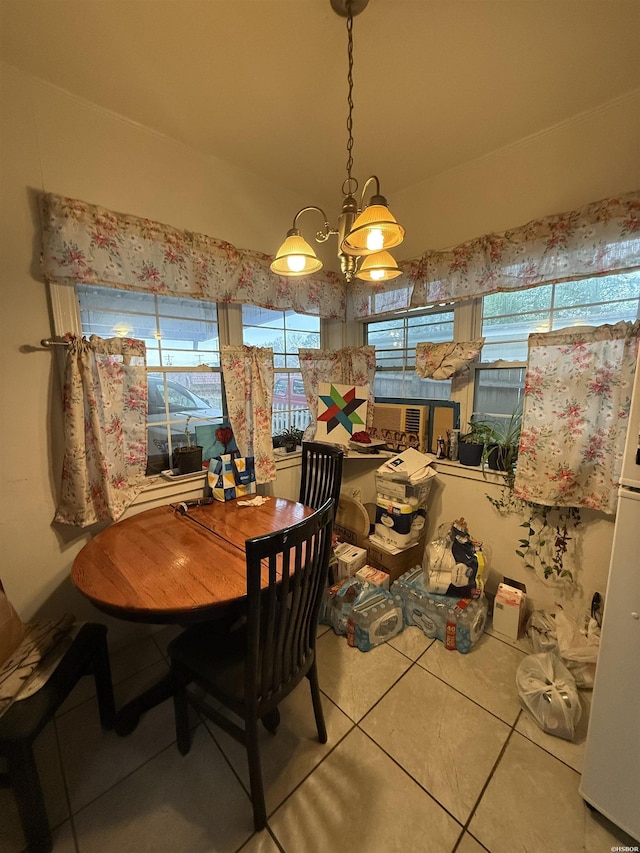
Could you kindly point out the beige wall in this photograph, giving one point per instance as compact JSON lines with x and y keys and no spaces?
{"x":55,"y":142}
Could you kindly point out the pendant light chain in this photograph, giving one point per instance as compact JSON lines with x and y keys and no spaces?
{"x":350,"y":180}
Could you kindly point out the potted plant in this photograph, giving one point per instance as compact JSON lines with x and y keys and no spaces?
{"x":502,"y":440}
{"x":290,"y":438}
{"x":187,"y":458}
{"x":472,"y":443}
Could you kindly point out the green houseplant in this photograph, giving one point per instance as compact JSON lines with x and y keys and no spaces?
{"x":291,"y":437}
{"x":501,"y":444}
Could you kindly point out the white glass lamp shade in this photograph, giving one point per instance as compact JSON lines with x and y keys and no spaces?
{"x":380,"y":266}
{"x":295,"y":257}
{"x":374,"y":230}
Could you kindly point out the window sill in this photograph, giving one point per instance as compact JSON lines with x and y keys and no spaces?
{"x":470,"y":472}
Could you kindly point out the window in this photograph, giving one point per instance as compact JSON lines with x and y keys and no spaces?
{"x":286,"y":332}
{"x":395,"y":341}
{"x":509,"y":318}
{"x":183,"y":359}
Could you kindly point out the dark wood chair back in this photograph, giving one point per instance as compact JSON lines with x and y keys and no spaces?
{"x":321,"y":476}
{"x":282,"y":620}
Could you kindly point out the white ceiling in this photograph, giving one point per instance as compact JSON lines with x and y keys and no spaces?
{"x":262,"y":83}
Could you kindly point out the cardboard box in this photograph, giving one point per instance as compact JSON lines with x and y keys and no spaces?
{"x":396,"y":564}
{"x":374,"y":576}
{"x":350,"y":559}
{"x":509,"y":610}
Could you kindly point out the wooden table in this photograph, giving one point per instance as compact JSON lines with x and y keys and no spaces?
{"x":162,"y":566}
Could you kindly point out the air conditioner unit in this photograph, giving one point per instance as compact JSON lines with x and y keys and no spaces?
{"x":401,"y":426}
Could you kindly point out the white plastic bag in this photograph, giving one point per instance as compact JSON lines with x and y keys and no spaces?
{"x":578,"y":647}
{"x":541,"y":631}
{"x":548,"y":691}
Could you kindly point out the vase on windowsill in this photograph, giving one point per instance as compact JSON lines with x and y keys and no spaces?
{"x":188,"y":457}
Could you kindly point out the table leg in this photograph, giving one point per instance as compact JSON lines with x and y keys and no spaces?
{"x":128,"y":717}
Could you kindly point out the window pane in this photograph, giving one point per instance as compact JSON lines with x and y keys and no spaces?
{"x":286,"y":332}
{"x":178,"y":332}
{"x":498,"y":390}
{"x":395,"y":343}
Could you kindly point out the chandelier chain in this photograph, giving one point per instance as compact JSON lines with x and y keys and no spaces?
{"x":350,"y":96}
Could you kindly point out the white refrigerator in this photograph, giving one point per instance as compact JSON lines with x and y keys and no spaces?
{"x":611,"y":777}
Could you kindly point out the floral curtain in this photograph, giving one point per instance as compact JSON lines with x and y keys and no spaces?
{"x":444,"y":360}
{"x":350,"y":365}
{"x":85,"y":243}
{"x":105,"y":429}
{"x":576,"y":409}
{"x":603,"y":237}
{"x":248,"y":384}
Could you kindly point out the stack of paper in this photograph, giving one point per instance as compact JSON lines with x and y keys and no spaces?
{"x":410,"y":464}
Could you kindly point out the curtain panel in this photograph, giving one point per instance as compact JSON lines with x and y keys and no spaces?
{"x":105,"y":429}
{"x":85,"y":243}
{"x":575,"y":415}
{"x":601,"y":238}
{"x":347,"y":366}
{"x":248,"y":386}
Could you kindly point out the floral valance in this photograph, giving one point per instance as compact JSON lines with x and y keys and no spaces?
{"x":85,"y":243}
{"x":601,"y":238}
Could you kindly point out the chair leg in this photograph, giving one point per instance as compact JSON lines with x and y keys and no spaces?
{"x":25,"y":782}
{"x":255,"y":774}
{"x":104,"y":685}
{"x":181,"y":709}
{"x":312,"y":675}
{"x":271,"y":721}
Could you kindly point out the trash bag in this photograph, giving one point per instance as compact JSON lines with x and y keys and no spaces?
{"x":575,"y":644}
{"x":548,"y":692}
{"x":578,"y":647}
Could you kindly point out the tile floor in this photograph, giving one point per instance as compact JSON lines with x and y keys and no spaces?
{"x":428,"y":751}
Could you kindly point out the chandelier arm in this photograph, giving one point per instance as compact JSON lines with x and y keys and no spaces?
{"x":364,"y":189}
{"x":321,"y":236}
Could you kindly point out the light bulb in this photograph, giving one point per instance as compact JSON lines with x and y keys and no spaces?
{"x":295,"y":263}
{"x":375,"y":240}
{"x":376,"y":275}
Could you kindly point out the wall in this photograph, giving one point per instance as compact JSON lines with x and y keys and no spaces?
{"x":55,"y":142}
{"x":590,"y":157}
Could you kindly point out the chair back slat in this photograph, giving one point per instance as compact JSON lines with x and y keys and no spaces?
{"x":282,"y":619}
{"x":321,"y":475}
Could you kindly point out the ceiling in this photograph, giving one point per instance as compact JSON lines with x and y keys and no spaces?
{"x":262,"y":83}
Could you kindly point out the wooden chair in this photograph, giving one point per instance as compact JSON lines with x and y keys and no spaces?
{"x":321,"y":475}
{"x":252,"y":670}
{"x":23,"y":721}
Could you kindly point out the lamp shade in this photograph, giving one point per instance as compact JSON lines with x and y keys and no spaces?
{"x":374,"y":230}
{"x":295,"y":257}
{"x":380,"y":266}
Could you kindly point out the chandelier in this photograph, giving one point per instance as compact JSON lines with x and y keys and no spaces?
{"x":365,"y":234}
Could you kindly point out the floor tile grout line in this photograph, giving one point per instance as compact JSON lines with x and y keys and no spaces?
{"x":65,"y":784}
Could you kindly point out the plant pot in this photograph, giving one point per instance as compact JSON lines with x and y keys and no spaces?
{"x":500,"y":458}
{"x":188,"y":460}
{"x":290,"y":447}
{"x":470,"y":453}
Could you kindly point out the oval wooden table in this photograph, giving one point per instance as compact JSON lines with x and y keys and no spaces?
{"x":168,"y":566}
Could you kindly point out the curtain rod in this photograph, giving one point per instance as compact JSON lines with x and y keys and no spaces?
{"x":52,"y":342}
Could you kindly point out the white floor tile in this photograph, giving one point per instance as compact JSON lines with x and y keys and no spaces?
{"x":412,"y":642}
{"x":487,"y":674}
{"x":445,"y":741}
{"x":94,"y":760}
{"x":571,"y":752}
{"x":293,"y":752}
{"x":355,"y":680}
{"x":173,"y":803}
{"x":468,"y":844}
{"x":360,"y":800}
{"x":531,"y":804}
{"x":261,"y":842}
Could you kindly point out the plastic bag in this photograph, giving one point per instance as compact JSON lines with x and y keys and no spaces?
{"x":578,"y":647}
{"x":337,"y":603}
{"x":548,"y":691}
{"x":454,"y":563}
